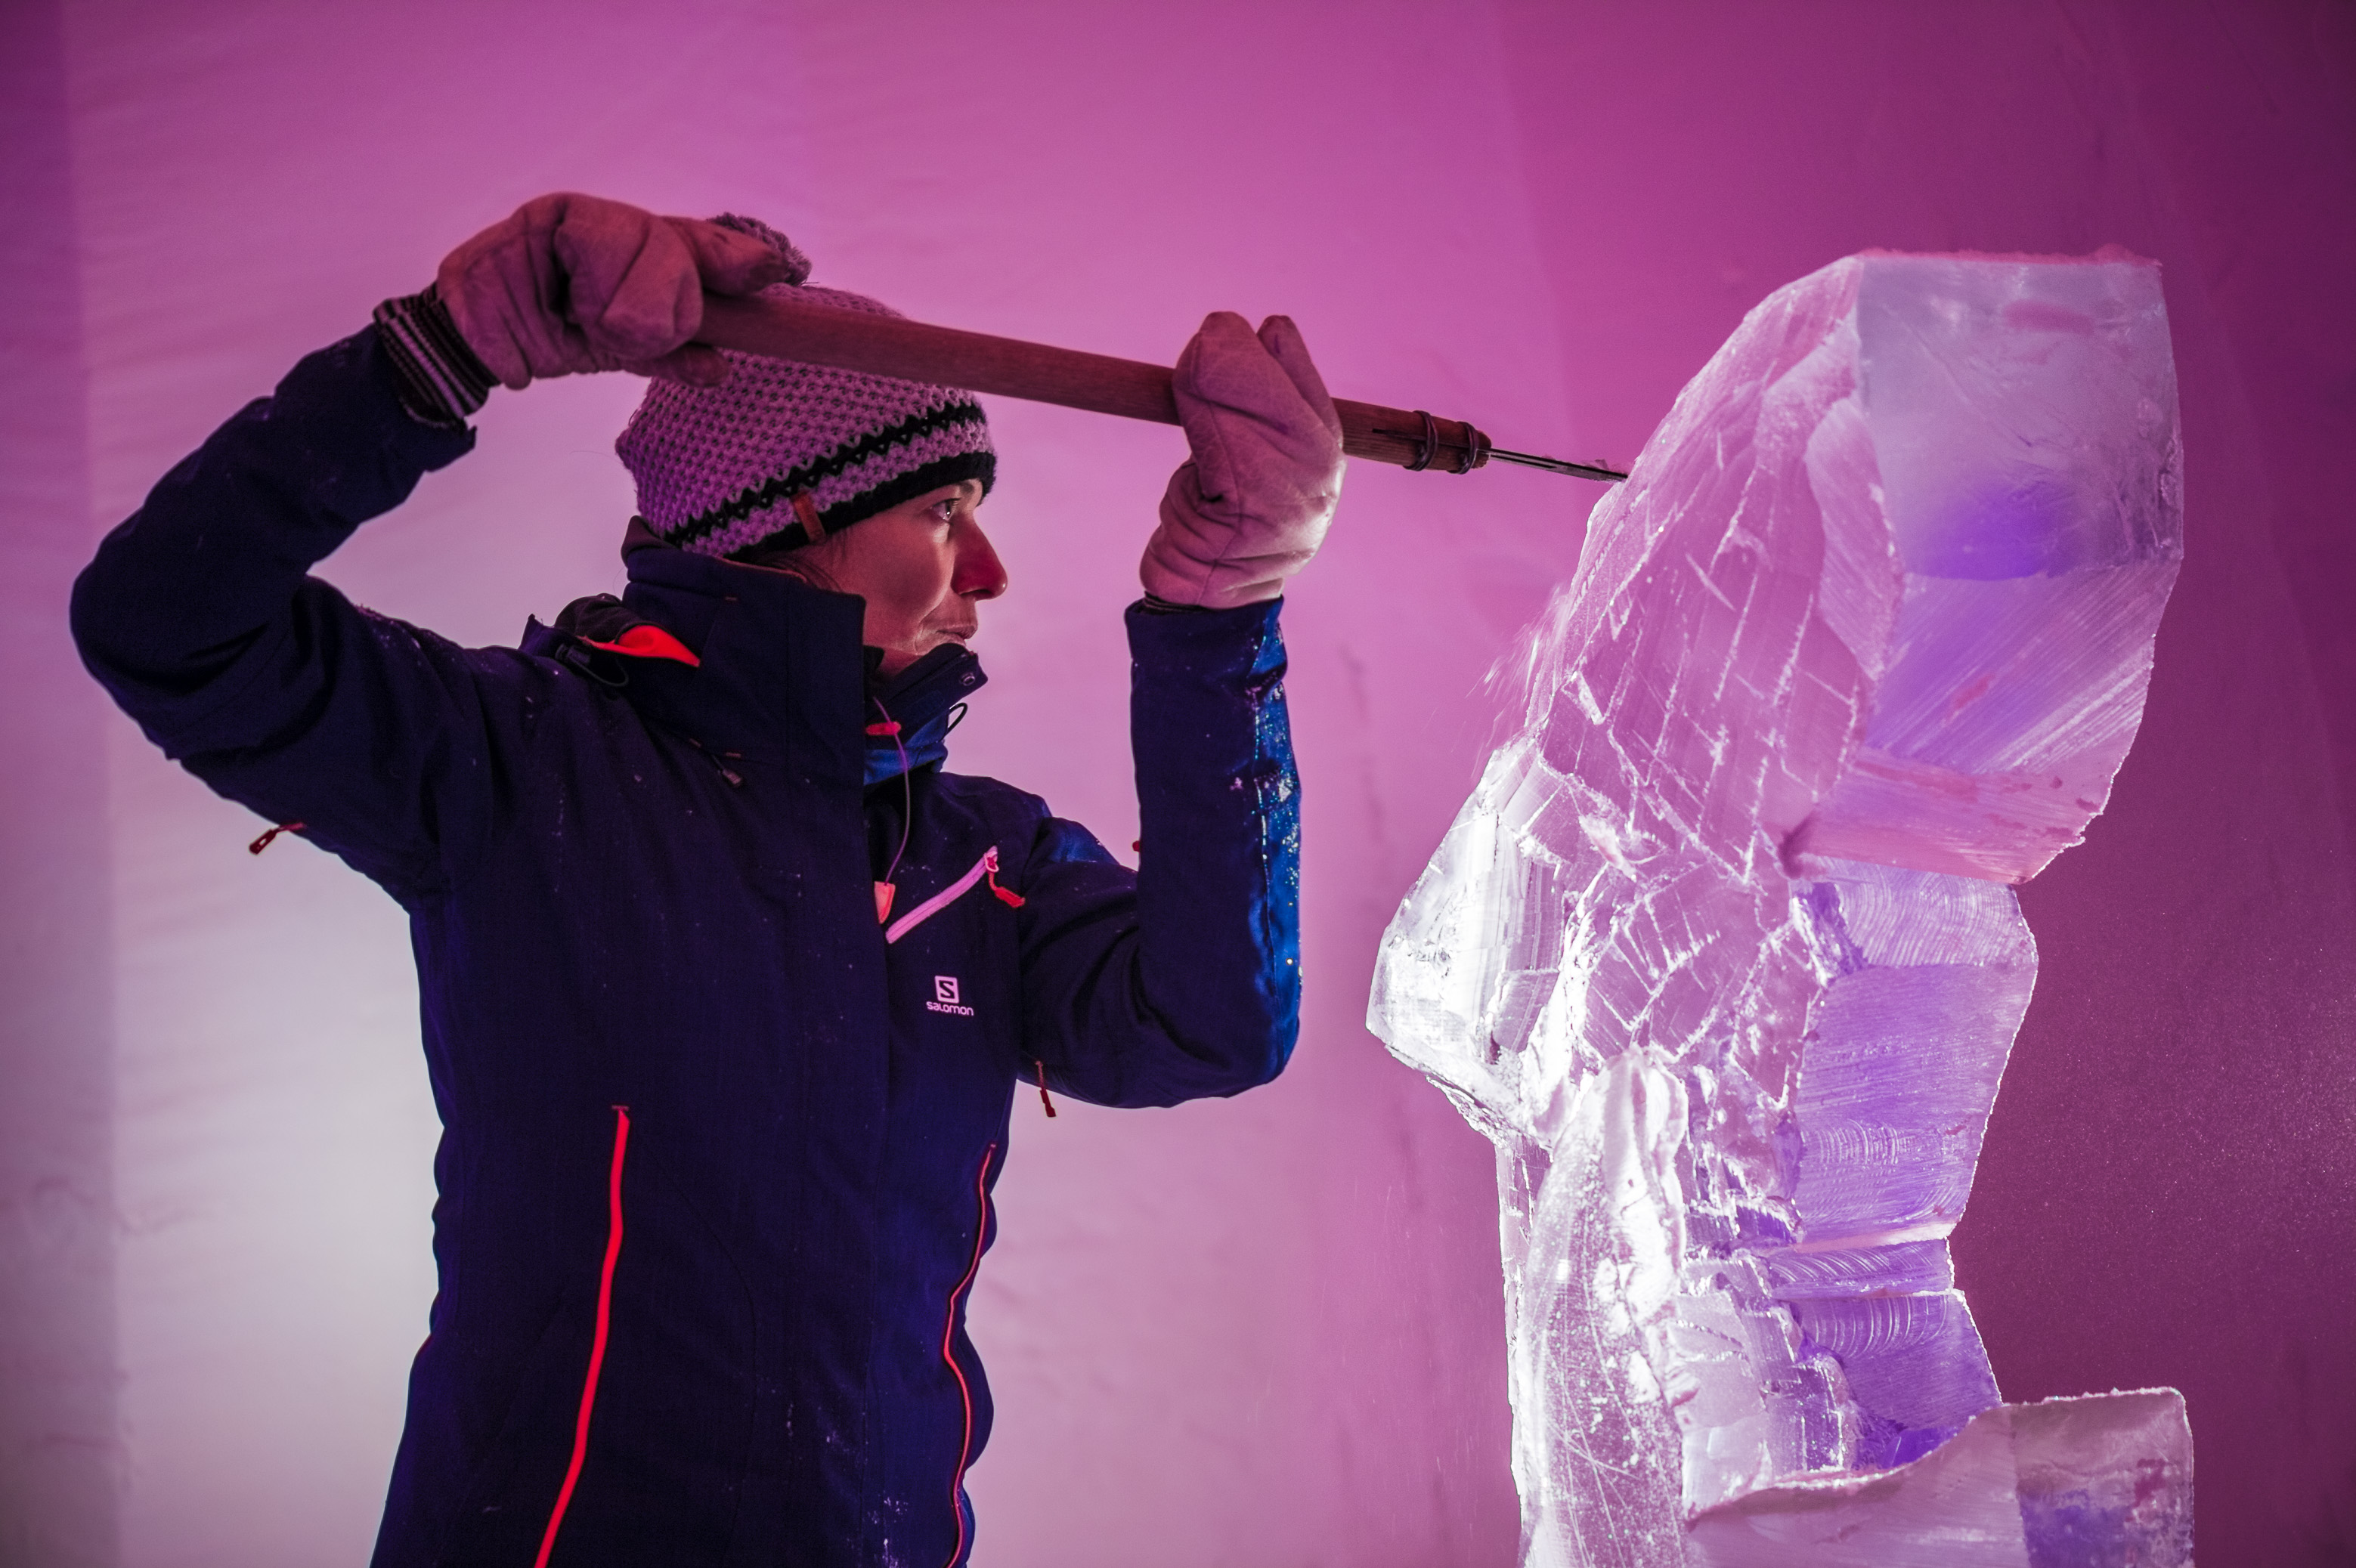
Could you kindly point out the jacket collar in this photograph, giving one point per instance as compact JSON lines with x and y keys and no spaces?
{"x":911,"y":715}
{"x":780,"y":674}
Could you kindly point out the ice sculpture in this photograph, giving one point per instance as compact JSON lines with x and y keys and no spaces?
{"x":1723,"y":956}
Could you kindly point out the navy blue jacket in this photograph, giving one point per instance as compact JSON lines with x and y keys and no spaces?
{"x":718,"y":1145}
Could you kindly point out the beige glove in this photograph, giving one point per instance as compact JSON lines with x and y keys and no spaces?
{"x":571,"y":284}
{"x":1252,"y":506}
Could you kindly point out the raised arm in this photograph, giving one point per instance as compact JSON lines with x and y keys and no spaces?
{"x":199,"y":617}
{"x":1191,"y":986}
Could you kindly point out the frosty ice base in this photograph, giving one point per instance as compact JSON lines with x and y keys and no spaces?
{"x":1722,"y":953}
{"x":2064,"y":1483}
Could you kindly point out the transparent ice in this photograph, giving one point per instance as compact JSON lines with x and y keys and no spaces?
{"x":1723,"y":952}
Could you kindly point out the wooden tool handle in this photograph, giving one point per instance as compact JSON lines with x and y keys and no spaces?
{"x":911,"y":351}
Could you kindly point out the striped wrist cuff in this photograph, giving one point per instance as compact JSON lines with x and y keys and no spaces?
{"x":442,"y":380}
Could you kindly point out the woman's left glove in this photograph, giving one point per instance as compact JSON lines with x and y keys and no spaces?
{"x":1253,"y":506}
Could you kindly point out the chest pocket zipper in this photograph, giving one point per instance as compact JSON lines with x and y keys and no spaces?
{"x":985,"y":867}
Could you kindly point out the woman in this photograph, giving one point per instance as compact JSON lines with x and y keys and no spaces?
{"x":727,"y":987}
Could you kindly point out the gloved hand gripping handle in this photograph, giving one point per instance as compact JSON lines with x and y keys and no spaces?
{"x":914,"y":351}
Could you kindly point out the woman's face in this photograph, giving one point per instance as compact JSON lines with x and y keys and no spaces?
{"x":923,"y":567}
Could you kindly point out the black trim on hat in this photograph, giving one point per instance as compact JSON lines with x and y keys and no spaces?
{"x":805,"y":476}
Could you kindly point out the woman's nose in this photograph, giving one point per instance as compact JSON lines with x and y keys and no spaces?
{"x":980,"y":573}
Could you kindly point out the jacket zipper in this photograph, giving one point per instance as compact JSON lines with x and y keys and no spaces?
{"x":985,"y":867}
{"x":949,"y":1341}
{"x":597,"y":1345}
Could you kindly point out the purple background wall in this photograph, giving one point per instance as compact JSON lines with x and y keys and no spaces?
{"x":57,"y":1330}
{"x":1264,"y":1332}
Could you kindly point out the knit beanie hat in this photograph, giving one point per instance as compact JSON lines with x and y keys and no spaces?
{"x":783,"y":454}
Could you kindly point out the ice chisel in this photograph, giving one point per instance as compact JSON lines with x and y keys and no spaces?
{"x":913,"y":351}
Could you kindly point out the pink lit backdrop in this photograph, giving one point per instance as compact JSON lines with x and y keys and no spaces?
{"x":1263,"y":1332}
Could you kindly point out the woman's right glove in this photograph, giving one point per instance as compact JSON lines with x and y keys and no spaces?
{"x":1252,"y":506}
{"x":573,"y":283}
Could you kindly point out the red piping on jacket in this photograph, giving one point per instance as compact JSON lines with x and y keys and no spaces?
{"x":648,"y":641}
{"x":596,"y":1346}
{"x":949,"y":1338}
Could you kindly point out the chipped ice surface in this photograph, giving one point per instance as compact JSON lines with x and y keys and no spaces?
{"x":1723,"y":952}
{"x":2104,"y":1479}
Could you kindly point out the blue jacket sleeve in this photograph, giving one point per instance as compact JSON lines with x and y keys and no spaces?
{"x":1186,"y":981}
{"x":199,"y":618}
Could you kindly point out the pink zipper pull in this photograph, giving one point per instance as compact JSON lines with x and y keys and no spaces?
{"x":258,"y":845}
{"x":1006,"y":896}
{"x":1042,"y":1085}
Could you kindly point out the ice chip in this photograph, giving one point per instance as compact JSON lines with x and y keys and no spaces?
{"x":1723,"y":954}
{"x":2093,"y":1482}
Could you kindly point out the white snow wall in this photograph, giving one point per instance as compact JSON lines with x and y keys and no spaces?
{"x":1260,"y":1333}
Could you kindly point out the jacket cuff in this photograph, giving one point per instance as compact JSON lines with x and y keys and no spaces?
{"x":442,"y":380}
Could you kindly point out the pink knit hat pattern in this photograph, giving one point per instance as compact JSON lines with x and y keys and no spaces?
{"x":780,"y":446}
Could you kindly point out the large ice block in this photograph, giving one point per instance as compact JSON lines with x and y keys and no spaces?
{"x":1723,"y":954}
